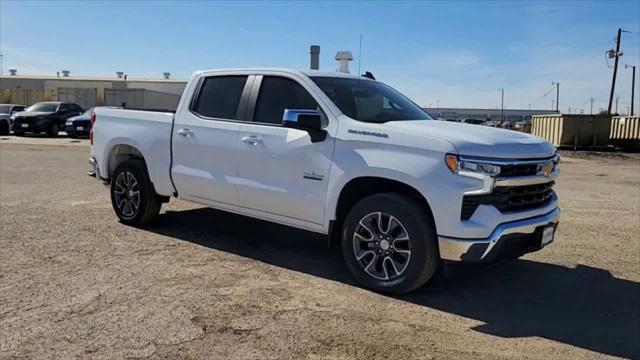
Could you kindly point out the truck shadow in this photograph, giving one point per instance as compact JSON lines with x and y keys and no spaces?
{"x":584,"y":306}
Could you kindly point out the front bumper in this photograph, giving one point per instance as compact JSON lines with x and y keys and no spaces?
{"x":30,"y":127}
{"x":508,"y":240}
{"x":73,"y":130}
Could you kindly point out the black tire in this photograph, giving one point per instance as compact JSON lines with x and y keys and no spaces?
{"x":149,"y":202}
{"x":416,"y":220}
{"x":53,"y":130}
{"x":18,"y":133}
{"x":4,"y":128}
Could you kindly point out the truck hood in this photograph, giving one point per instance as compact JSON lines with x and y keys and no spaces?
{"x":478,"y":140}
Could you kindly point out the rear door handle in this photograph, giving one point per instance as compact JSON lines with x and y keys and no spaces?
{"x":185,"y":132}
{"x":253,"y":140}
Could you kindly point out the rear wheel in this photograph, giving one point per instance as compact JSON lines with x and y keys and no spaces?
{"x":53,"y":130}
{"x":4,"y":128}
{"x":132,"y":195}
{"x":389,"y":243}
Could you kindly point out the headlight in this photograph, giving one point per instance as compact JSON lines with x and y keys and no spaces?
{"x":68,"y":123}
{"x":13,"y":117}
{"x":463,"y":167}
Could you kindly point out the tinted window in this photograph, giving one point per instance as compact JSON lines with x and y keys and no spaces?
{"x":44,"y":107}
{"x":219,"y":97}
{"x":278,"y":94}
{"x":369,"y":101}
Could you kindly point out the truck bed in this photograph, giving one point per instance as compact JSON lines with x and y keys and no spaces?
{"x":147,"y":131}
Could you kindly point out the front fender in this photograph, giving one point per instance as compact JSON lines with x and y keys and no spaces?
{"x":423,"y":170}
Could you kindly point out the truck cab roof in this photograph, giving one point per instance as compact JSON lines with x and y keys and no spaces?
{"x":299,"y":72}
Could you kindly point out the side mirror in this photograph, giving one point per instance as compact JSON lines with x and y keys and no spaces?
{"x":305,"y":119}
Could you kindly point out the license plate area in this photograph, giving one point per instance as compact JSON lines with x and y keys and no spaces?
{"x":25,"y":125}
{"x":80,"y":128}
{"x":548,"y":234}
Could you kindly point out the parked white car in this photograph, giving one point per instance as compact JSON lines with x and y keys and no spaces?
{"x":340,"y":155}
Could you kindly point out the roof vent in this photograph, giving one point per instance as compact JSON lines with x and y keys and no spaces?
{"x":13,"y":72}
{"x":315,"y":57}
{"x":343,"y":58}
{"x":166,"y":75}
{"x":65,"y":73}
{"x":119,"y":74}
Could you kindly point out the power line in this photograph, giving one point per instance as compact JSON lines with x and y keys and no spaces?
{"x":545,"y":95}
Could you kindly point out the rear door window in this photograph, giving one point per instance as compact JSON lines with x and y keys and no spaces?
{"x":219,"y":97}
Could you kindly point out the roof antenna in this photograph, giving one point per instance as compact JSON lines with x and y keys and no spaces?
{"x":360,"y":54}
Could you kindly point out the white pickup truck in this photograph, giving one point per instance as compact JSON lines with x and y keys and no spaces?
{"x":336,"y":154}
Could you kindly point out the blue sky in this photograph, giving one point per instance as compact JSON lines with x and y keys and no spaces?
{"x":453,"y":53}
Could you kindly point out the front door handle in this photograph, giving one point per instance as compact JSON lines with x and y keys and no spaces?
{"x":253,"y":140}
{"x":185,"y":132}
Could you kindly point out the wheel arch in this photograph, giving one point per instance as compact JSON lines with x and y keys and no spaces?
{"x":120,"y":153}
{"x":358,"y":188}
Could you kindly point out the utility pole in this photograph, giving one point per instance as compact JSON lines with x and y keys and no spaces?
{"x":557,"y":84}
{"x":633,"y":84}
{"x":592,"y":106}
{"x":502,"y":104}
{"x":617,"y":56}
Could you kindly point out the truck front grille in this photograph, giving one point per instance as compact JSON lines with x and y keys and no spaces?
{"x":509,"y":199}
{"x":513,"y":170}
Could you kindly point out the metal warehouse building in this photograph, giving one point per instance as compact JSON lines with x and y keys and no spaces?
{"x":511,"y":115}
{"x":163,"y":93}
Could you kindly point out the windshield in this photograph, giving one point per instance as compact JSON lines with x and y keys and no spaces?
{"x":4,"y":109}
{"x":369,"y":101}
{"x":43,"y":107}
{"x":88,"y":112}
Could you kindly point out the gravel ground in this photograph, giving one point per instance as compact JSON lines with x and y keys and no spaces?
{"x":202,"y":284}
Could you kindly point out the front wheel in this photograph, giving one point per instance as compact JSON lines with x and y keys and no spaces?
{"x":389,"y":243}
{"x":4,"y":128}
{"x":132,"y":195}
{"x":53,"y":130}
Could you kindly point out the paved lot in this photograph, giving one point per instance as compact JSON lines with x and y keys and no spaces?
{"x":74,"y":283}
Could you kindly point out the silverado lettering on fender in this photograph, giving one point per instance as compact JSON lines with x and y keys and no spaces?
{"x":336,"y":154}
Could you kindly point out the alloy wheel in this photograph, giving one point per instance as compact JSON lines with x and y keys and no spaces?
{"x":127,"y":194}
{"x":382,"y":246}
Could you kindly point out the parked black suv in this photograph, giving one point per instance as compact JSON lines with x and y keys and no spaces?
{"x":48,"y":116}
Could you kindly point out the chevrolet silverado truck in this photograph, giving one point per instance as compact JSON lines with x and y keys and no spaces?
{"x":336,"y":154}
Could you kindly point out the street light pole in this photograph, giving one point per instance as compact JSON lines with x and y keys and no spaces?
{"x":502,"y":104}
{"x":557,"y":84}
{"x":633,"y":84}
